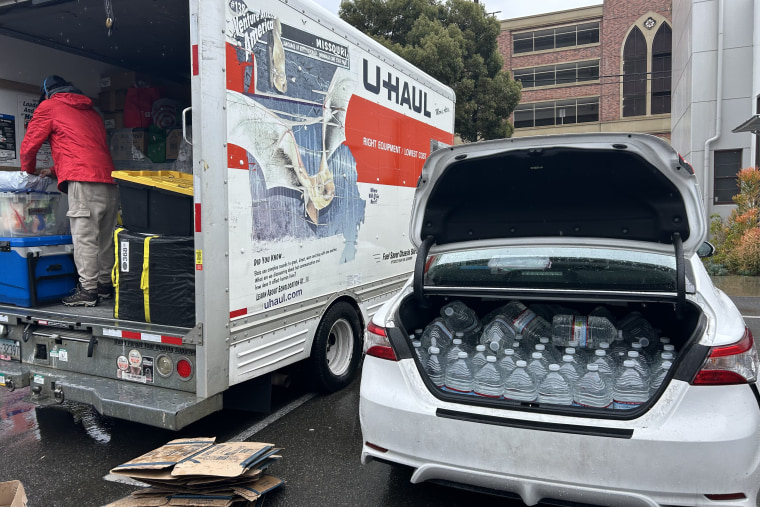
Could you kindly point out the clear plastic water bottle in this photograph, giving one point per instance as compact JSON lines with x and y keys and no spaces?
{"x":488,"y":380}
{"x":603,"y":311}
{"x":526,"y":322}
{"x":520,"y":353}
{"x":618,"y":348}
{"x":419,"y":351}
{"x":520,"y":384}
{"x":587,"y":331}
{"x":579,"y":356}
{"x":507,"y":363}
{"x":479,"y":358}
{"x":538,"y":366}
{"x":643,"y":356}
{"x":571,"y":370}
{"x":551,"y":353}
{"x":459,"y":375}
{"x":630,"y":389}
{"x":459,"y":317}
{"x":640,"y":366}
{"x":435,"y":366}
{"x":592,"y":390}
{"x":453,"y":353}
{"x":670,"y":348}
{"x":606,"y":365}
{"x":437,"y":330}
{"x":499,"y":331}
{"x":555,"y":388}
{"x":658,"y":377}
{"x":635,"y":327}
{"x":657,"y":363}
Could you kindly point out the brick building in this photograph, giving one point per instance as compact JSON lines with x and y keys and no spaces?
{"x":605,"y":68}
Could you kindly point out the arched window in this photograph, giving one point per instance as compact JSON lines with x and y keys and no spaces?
{"x":635,"y":74}
{"x":661,"y":70}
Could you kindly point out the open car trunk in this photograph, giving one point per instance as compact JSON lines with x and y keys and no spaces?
{"x":683,"y":326}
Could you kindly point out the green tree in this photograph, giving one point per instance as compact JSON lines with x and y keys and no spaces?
{"x":456,"y":43}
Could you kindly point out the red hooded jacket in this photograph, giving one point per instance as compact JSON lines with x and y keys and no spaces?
{"x":77,"y":138}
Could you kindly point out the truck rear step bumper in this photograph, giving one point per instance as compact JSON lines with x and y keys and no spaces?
{"x":155,"y":406}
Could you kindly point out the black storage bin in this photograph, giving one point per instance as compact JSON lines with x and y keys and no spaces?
{"x":154,"y":278}
{"x":156,"y":202}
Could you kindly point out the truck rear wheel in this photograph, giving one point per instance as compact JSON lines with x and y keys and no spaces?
{"x":337,"y":348}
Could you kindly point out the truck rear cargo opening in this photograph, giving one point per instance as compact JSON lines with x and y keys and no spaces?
{"x":266,"y":173}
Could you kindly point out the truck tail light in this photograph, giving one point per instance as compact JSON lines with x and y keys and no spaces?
{"x":730,"y":364}
{"x":377,"y":343}
{"x":184,"y":368}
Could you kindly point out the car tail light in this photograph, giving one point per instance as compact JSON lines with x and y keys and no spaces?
{"x":726,"y":496}
{"x":730,"y":364}
{"x":377,"y":343}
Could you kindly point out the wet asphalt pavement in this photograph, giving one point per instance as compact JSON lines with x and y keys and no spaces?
{"x":62,"y":454}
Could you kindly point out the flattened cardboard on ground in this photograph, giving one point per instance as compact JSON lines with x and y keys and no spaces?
{"x":131,"y":501}
{"x":166,"y":456}
{"x":12,"y":494}
{"x":197,"y":501}
{"x":264,"y":485}
{"x":225,"y":460}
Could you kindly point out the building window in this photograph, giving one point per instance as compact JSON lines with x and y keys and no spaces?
{"x":558,"y":112}
{"x":635,"y":74}
{"x":556,"y":38}
{"x":727,"y":164}
{"x":566,"y":73}
{"x":661,"y":70}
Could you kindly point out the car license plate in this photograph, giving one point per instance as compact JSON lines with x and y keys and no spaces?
{"x":10,"y":350}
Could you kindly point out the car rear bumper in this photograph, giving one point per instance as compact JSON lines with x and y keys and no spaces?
{"x":694,"y":441}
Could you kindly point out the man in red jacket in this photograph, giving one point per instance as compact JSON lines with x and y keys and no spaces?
{"x":82,"y":163}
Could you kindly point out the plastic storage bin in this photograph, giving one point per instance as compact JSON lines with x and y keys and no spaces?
{"x":154,"y":278}
{"x":36,"y":270}
{"x":156,"y":202}
{"x":26,"y":213}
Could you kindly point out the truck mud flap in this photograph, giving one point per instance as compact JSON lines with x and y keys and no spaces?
{"x":13,"y":376}
{"x":155,"y":406}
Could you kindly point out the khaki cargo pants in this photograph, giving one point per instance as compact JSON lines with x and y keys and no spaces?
{"x":92,"y":211}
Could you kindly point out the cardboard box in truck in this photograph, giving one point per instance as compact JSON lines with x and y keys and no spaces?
{"x":308,"y":139}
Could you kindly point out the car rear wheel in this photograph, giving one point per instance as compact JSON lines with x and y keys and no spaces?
{"x":337,"y":348}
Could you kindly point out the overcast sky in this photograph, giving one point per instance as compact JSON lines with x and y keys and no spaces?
{"x":509,"y":8}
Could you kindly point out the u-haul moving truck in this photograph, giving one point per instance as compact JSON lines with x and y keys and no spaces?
{"x":307,"y":142}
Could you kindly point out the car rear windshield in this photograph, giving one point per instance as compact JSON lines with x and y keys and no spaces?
{"x":553,"y":268}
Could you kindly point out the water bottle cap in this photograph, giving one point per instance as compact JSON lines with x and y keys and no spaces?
{"x":664,"y":340}
{"x":573,"y":343}
{"x":669,"y":348}
{"x":457,"y":341}
{"x":509,"y":352}
{"x":462,"y":355}
{"x":567,"y":358}
{"x":540,"y":347}
{"x":480,"y":348}
{"x":629,"y":363}
{"x":554,"y":367}
{"x":494,"y":345}
{"x":666,"y":364}
{"x":637,"y":345}
{"x":518,"y":336}
{"x":521,"y":364}
{"x":416,"y":343}
{"x":570,"y":350}
{"x":449,"y":311}
{"x":667,"y":355}
{"x":434,"y":350}
{"x":643,"y":341}
{"x":418,"y":331}
{"x":515,"y":345}
{"x":543,"y":340}
{"x":592,"y":367}
{"x":491,"y":359}
{"x":604,"y":345}
{"x":537,"y":355}
{"x":600,"y":352}
{"x":459,"y":334}
{"x":633,"y":353}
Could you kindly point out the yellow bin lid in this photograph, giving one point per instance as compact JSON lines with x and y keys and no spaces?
{"x":173,"y":181}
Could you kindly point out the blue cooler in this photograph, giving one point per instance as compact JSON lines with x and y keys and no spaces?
{"x":36,"y":270}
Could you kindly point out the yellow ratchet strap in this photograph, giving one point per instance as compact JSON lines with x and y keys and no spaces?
{"x":115,"y":272}
{"x":144,"y":279}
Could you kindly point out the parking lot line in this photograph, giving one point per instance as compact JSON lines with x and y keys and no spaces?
{"x":249,"y":432}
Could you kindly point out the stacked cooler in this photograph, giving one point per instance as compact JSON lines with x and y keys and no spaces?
{"x":154,"y":272}
{"x":36,"y":254}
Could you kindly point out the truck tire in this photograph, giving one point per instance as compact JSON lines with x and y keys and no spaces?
{"x":337,"y":348}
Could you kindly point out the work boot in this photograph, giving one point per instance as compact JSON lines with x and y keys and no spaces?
{"x":81,"y":297}
{"x":105,"y":290}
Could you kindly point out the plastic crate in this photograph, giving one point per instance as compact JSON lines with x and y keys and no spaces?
{"x":26,"y":213}
{"x":156,"y":202}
